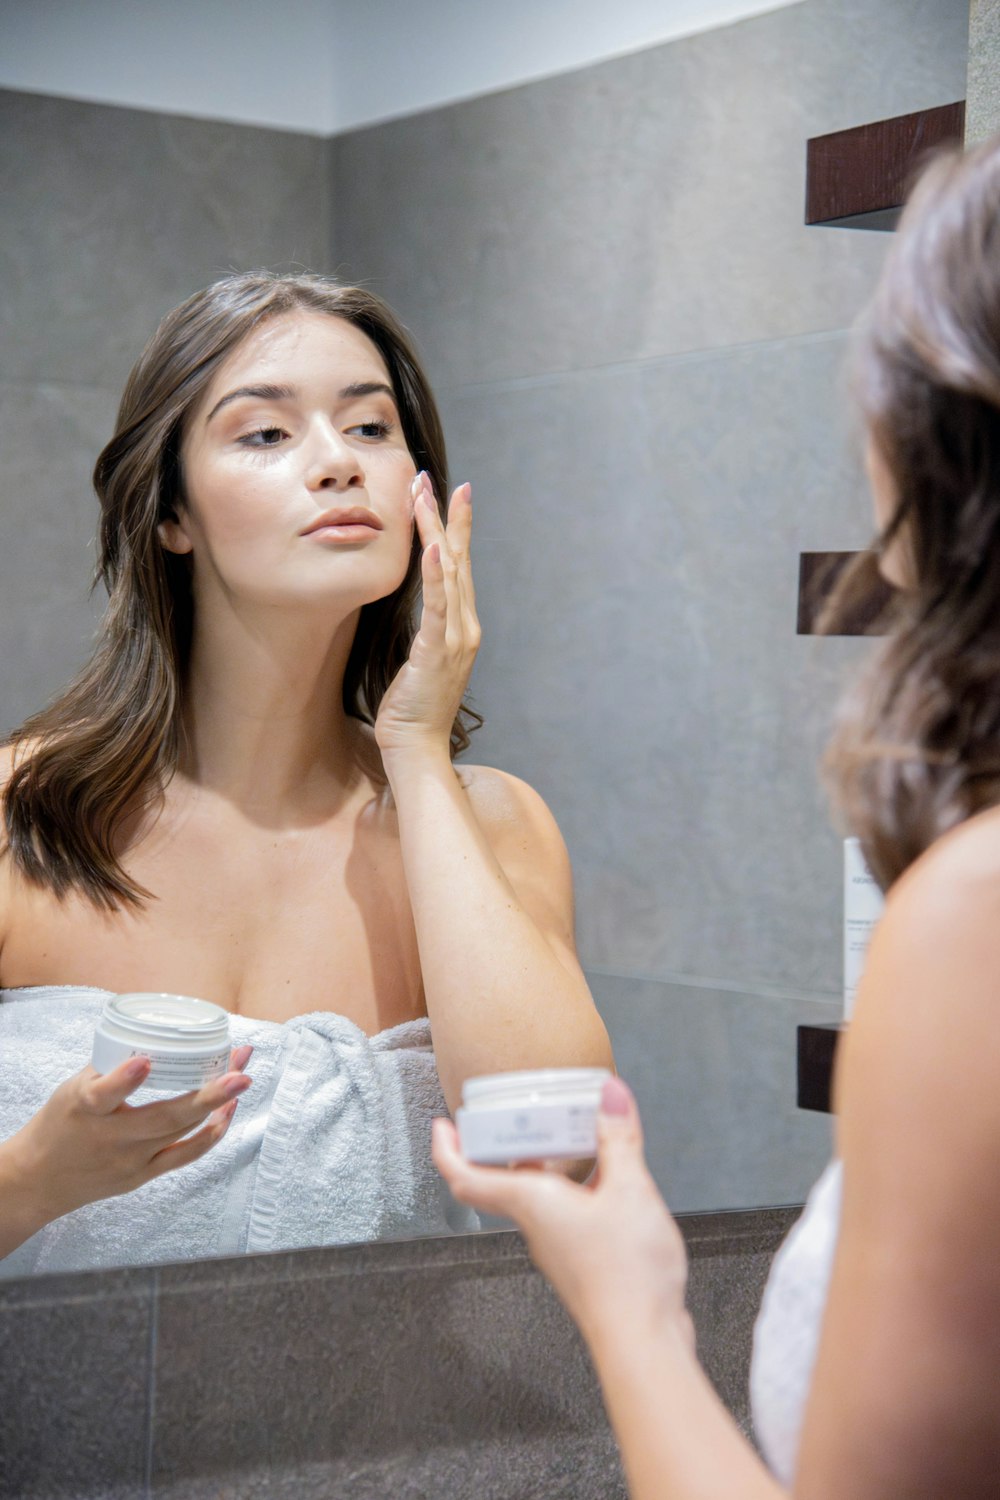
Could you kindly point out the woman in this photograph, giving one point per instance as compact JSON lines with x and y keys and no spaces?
{"x":248,"y":794}
{"x":877,"y":1355}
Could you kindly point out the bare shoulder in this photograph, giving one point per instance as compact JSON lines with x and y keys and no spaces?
{"x":923,"y":1052}
{"x":12,"y":754}
{"x":965,"y":859}
{"x":916,"y":1281}
{"x":944,"y":911}
{"x":506,"y":806}
{"x":526,"y":841}
{"x":6,"y":765}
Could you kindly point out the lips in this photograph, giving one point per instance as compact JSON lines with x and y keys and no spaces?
{"x":355,"y":515}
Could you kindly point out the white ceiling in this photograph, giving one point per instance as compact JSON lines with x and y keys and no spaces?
{"x":324,"y":66}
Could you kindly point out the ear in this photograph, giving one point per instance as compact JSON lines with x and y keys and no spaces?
{"x":173,"y":536}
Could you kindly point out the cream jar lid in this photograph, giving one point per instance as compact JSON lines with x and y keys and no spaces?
{"x":178,"y":1018}
{"x":533,"y":1086}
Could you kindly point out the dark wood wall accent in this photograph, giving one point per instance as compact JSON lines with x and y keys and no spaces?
{"x":858,"y":178}
{"x":817,"y":1052}
{"x":818,"y":576}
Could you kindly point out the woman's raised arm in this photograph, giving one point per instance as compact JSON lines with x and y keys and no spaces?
{"x":486,"y":867}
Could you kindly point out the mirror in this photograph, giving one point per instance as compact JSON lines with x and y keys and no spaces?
{"x":638,"y":349}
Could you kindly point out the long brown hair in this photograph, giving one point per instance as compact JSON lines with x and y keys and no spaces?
{"x":107,"y":746}
{"x":917,"y":749}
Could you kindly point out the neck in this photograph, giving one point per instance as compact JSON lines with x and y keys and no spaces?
{"x":264,"y":721}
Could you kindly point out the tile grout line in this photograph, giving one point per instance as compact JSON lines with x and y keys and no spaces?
{"x":154,"y":1296}
{"x":519,"y":1264}
{"x":577,"y":373}
{"x":511,"y":383}
{"x":729,"y":986}
{"x":57,"y":383}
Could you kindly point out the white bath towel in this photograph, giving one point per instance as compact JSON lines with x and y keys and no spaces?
{"x":330,"y":1145}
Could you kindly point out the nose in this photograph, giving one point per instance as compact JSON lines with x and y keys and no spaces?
{"x":333,"y":463}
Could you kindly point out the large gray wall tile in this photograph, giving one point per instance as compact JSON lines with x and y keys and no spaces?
{"x":714,"y":1074}
{"x":982,"y":114}
{"x":871,"y":59}
{"x":434,"y":1369}
{"x":50,"y":436}
{"x":74,"y":1386}
{"x":645,"y":205}
{"x":444,"y":1368}
{"x":636,"y":550}
{"x":112,"y":216}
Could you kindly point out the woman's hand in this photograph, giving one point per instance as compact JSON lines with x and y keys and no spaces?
{"x":87,"y":1143}
{"x":610,"y":1248}
{"x":419,"y":707}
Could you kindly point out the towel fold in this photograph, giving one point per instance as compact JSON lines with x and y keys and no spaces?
{"x":330,"y":1145}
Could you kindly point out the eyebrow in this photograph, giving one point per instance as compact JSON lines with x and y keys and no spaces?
{"x":289,"y":393}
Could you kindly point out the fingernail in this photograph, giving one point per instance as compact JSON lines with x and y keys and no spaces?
{"x":137,"y":1067}
{"x":616,"y":1098}
{"x":242,"y":1057}
{"x":434,"y":552}
{"x":235,"y":1086}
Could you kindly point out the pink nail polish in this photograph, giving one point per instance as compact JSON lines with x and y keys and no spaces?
{"x":616,"y":1098}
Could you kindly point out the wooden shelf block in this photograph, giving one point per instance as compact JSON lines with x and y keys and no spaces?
{"x":818,"y":576}
{"x":858,"y":178}
{"x":816,"y":1051}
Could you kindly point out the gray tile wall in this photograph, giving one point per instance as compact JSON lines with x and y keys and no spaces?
{"x":982,"y":114}
{"x":442,"y":1368}
{"x":639,"y":349}
{"x":110,"y":217}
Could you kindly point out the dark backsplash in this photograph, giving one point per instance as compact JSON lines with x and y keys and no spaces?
{"x":437,"y":1368}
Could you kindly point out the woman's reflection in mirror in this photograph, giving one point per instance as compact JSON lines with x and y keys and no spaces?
{"x":248,"y":794}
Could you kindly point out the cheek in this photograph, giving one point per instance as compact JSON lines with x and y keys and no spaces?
{"x":395,"y":477}
{"x":401,"y":472}
{"x":228,"y":509}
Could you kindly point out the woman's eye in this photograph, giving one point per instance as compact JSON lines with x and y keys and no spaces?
{"x":376,"y":429}
{"x":263,"y":437}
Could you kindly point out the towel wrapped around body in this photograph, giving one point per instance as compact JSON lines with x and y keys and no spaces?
{"x":330,"y":1145}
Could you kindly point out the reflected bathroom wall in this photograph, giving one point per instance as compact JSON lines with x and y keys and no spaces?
{"x":639,"y":349}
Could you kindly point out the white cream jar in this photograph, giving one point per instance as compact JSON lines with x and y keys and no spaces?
{"x":186,"y":1040}
{"x":546,"y":1115}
